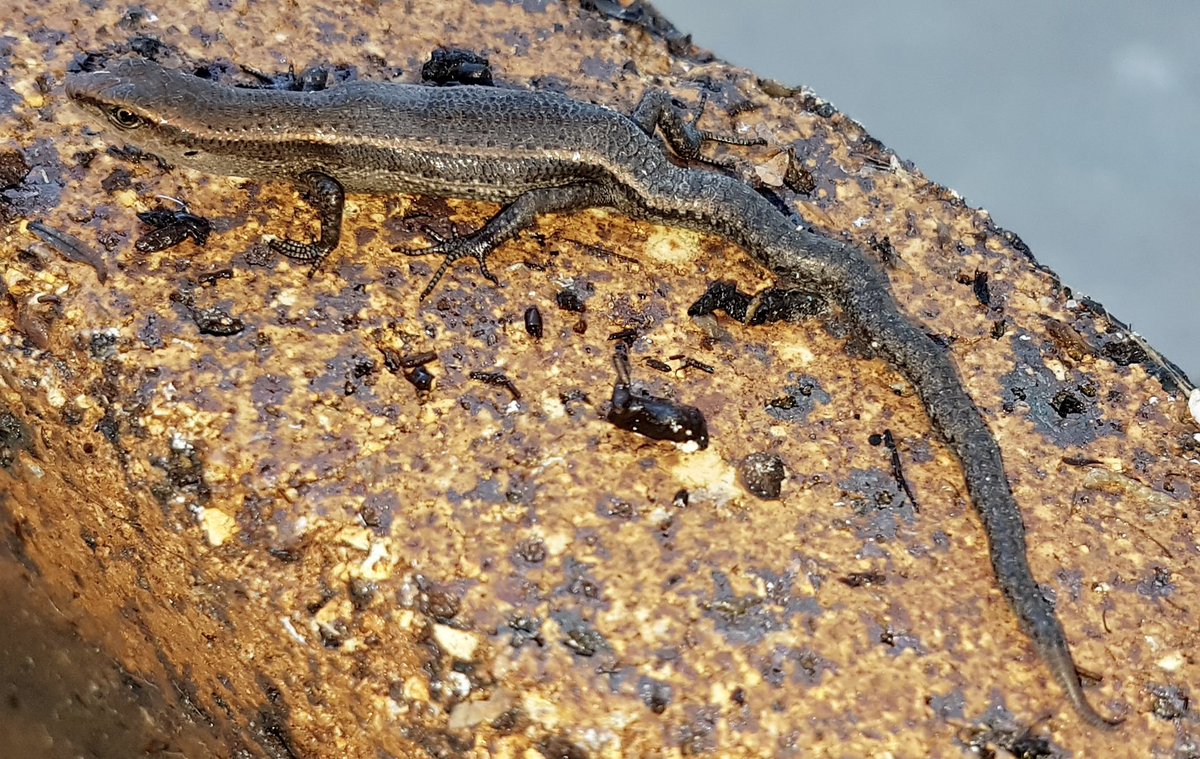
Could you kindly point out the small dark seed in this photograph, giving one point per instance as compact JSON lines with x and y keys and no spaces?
{"x":533,"y":322}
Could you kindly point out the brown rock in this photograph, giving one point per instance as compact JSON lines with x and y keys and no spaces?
{"x":241,"y":519}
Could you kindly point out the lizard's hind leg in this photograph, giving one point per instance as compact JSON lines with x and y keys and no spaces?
{"x":502,"y":227}
{"x":657,"y":109}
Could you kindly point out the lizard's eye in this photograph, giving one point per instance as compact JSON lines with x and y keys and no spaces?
{"x":124,"y":118}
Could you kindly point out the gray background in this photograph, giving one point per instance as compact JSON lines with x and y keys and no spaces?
{"x":1076,"y":125}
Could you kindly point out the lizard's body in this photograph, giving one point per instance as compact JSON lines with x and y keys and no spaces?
{"x":543,"y":153}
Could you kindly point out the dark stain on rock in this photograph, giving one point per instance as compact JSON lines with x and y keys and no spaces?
{"x":580,"y":637}
{"x":1071,"y":580}
{"x":272,"y":733}
{"x":1169,"y":702}
{"x":150,"y":334}
{"x":558,"y":747}
{"x":270,"y":392}
{"x":880,"y":503}
{"x":655,"y":694}
{"x":1158,"y":584}
{"x":39,"y":187}
{"x":581,"y":584}
{"x":522,"y":629}
{"x":896,"y":637}
{"x":699,"y":734}
{"x":951,"y":706}
{"x":183,"y":470}
{"x":378,"y":511}
{"x":750,"y":618}
{"x":999,"y":730}
{"x":791,"y":665}
{"x":14,"y":437}
{"x":798,"y":399}
{"x":1066,"y":412}
{"x":8,"y":97}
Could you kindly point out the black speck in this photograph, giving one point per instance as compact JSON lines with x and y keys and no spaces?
{"x":533,"y":322}
{"x":362,"y":592}
{"x":1124,"y":352}
{"x":332,"y":635}
{"x":13,"y":168}
{"x":585,"y":641}
{"x":762,"y":474}
{"x":979,"y":284}
{"x":118,"y":179}
{"x":1066,"y":403}
{"x":497,"y":379}
{"x":133,"y":18}
{"x":1032,"y":747}
{"x":454,"y":66}
{"x":147,"y":47}
{"x":170,"y":228}
{"x":1169,"y":702}
{"x":628,"y":335}
{"x":770,"y":305}
{"x":1158,"y":585}
{"x":103,"y":345}
{"x":525,"y":629}
{"x":438,"y":603}
{"x":217,"y":321}
{"x":569,"y":300}
{"x":183,"y":469}
{"x":655,"y":694}
{"x":531,"y":551}
{"x":14,"y":437}
{"x":558,"y":747}
{"x":863,"y":579}
{"x":420,"y":378}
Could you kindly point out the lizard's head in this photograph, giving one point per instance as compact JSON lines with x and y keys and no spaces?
{"x":151,"y":107}
{"x":125,"y":95}
{"x":189,"y":120}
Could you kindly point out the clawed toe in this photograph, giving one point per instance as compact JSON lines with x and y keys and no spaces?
{"x":313,"y":254}
{"x":451,"y":249}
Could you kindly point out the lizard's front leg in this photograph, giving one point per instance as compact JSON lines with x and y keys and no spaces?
{"x":507,"y":223}
{"x":329,"y":199}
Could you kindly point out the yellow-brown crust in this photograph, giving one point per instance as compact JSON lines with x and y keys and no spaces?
{"x":279,"y":527}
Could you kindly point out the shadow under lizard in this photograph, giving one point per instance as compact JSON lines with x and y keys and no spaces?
{"x":545,"y":153}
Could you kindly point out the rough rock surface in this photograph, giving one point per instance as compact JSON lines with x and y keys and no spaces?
{"x":221,"y":471}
